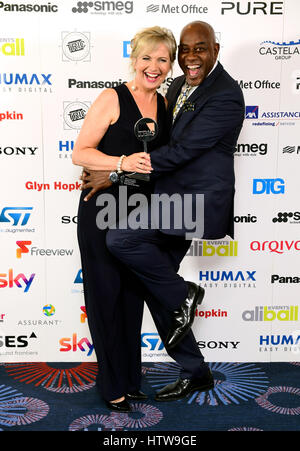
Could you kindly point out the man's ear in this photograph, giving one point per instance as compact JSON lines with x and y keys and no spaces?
{"x":216,"y":49}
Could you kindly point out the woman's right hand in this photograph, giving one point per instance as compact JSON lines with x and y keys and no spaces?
{"x":137,"y":162}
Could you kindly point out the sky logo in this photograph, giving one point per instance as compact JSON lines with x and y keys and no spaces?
{"x":152,"y":342}
{"x":15,"y":215}
{"x":72,"y":344}
{"x":251,"y":112}
{"x":8,"y":280}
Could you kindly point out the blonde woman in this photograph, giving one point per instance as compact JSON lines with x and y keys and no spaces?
{"x":114,"y":302}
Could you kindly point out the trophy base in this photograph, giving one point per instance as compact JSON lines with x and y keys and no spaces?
{"x":131,"y":179}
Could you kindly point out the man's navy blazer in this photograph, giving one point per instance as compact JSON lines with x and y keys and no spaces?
{"x":199,"y":157}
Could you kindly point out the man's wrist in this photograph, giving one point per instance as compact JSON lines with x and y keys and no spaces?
{"x":114,"y":177}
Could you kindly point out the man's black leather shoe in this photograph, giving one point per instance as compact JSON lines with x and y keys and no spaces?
{"x":136,"y":395}
{"x":183,"y":387}
{"x":122,"y":406}
{"x":184,"y":316}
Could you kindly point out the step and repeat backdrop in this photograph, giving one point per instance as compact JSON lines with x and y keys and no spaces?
{"x":55,"y":58}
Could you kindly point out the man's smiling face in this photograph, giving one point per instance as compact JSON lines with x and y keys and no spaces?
{"x":197,"y":52}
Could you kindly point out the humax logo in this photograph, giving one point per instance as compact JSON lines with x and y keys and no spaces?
{"x":268,"y":186}
{"x":15,"y":215}
{"x":26,"y":79}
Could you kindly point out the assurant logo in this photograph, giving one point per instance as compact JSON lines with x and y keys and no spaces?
{"x":280,"y":50}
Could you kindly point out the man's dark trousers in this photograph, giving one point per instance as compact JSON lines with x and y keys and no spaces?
{"x":141,"y":250}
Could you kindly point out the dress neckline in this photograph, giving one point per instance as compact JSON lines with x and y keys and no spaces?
{"x":136,"y":105}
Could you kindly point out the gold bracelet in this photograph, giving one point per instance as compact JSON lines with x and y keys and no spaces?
{"x":119,"y":165}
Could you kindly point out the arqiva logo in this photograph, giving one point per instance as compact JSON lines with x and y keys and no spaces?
{"x":275,"y":246}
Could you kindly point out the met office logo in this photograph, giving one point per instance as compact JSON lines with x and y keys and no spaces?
{"x":167,"y":8}
{"x":104,"y":7}
{"x":76,"y":46}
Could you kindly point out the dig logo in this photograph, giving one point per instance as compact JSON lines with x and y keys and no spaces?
{"x":268,"y":186}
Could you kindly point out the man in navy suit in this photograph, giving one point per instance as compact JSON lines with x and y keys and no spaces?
{"x":198,"y":159}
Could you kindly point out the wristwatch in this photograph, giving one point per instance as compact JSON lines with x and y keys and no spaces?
{"x":114,"y":177}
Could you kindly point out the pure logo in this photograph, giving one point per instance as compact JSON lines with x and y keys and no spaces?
{"x":254,"y":8}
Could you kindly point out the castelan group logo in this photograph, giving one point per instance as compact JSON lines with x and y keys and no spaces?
{"x":280,"y":50}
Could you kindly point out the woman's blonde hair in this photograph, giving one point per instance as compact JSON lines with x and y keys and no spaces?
{"x":150,"y":38}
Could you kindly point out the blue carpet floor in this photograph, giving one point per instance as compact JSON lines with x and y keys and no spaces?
{"x":63,"y":397}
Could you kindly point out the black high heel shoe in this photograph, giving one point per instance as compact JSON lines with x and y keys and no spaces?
{"x":121,"y":406}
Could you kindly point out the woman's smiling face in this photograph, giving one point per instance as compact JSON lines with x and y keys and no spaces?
{"x":152,"y":67}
